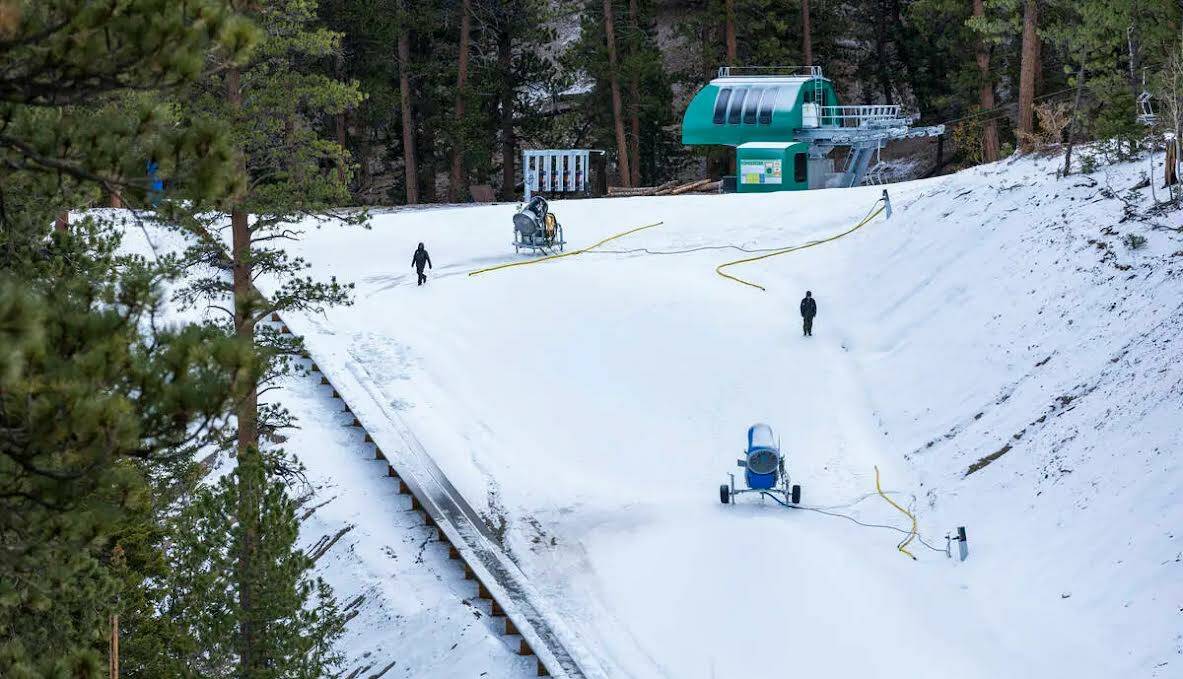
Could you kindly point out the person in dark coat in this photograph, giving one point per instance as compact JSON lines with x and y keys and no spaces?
{"x":808,"y":311}
{"x":419,"y":260}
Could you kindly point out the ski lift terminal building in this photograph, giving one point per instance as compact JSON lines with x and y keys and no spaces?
{"x":785,"y":121}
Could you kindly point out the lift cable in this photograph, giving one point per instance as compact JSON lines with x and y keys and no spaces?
{"x":1006,"y":106}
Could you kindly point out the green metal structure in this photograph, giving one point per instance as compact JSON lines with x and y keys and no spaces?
{"x":737,"y":110}
{"x":765,"y":166}
{"x":791,"y":106}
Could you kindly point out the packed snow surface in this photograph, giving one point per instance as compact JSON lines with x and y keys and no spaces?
{"x":999,"y":322}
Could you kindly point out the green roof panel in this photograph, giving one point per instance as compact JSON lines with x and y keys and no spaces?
{"x":736,"y":110}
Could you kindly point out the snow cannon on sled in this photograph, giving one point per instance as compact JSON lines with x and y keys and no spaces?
{"x":764,"y":470}
{"x":536,"y":228}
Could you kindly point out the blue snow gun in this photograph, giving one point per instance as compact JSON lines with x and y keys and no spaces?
{"x":764,"y":470}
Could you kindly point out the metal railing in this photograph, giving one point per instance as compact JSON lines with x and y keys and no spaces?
{"x":770,"y":71}
{"x":871,"y":115}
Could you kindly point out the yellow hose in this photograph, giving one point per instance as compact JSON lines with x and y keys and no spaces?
{"x":911,"y":535}
{"x":564,"y":254}
{"x":793,"y":248}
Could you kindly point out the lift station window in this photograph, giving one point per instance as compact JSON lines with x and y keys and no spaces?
{"x":800,"y":168}
{"x":736,"y":109}
{"x":750,"y":106}
{"x":767,"y":103}
{"x":721,"y":105}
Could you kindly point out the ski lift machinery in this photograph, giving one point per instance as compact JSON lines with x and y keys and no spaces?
{"x":784,"y":121}
{"x":550,"y":171}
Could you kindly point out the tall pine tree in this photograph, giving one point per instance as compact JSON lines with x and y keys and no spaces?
{"x":275,"y":104}
{"x":98,"y":402}
{"x":295,"y":615}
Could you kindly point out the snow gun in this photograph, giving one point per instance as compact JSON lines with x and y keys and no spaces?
{"x":536,"y":228}
{"x":764,"y":470}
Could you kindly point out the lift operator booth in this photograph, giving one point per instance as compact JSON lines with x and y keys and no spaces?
{"x":783,"y":123}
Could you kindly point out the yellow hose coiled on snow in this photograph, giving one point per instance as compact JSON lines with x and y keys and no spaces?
{"x":793,"y":248}
{"x":911,"y":535}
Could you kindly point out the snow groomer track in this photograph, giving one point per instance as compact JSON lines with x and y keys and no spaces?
{"x":458,"y":525}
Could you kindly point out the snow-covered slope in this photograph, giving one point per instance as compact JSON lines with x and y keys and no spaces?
{"x":592,"y":406}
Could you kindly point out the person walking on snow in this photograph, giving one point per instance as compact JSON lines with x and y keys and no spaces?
{"x":419,"y":260}
{"x":808,"y":311}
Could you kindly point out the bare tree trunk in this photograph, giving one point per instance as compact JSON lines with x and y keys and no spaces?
{"x":806,"y":34}
{"x":113,"y":650}
{"x":1134,"y":38}
{"x":247,"y":411}
{"x":1072,"y":123}
{"x":634,"y":102}
{"x":617,"y":115}
{"x":456,"y":185}
{"x":729,"y":31}
{"x":410,"y":166}
{"x":881,"y":70}
{"x":339,"y":124}
{"x":241,"y":245}
{"x":62,"y":223}
{"x":900,"y":30}
{"x":990,"y":147}
{"x":427,"y":161}
{"x":1170,"y":164}
{"x":339,"y":118}
{"x":634,"y":141}
{"x":365,"y":148}
{"x":248,"y":441}
{"x":114,"y":200}
{"x":508,"y":152}
{"x":1029,"y":67}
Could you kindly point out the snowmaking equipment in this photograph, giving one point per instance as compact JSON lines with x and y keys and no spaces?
{"x":536,"y":228}
{"x":785,"y":121}
{"x":764,"y":470}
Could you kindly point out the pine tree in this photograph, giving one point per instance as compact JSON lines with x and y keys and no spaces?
{"x":624,"y":176}
{"x":516,"y":30}
{"x":406,"y":110}
{"x":91,"y":404}
{"x":71,"y":131}
{"x":296,"y":615}
{"x":98,"y":404}
{"x":458,"y":178}
{"x":649,"y":97}
{"x":990,"y":147}
{"x":1031,"y":67}
{"x":1107,"y":39}
{"x":272,"y":103}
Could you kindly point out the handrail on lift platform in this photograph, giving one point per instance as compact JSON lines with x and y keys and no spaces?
{"x":864,"y":115}
{"x":771,"y":71}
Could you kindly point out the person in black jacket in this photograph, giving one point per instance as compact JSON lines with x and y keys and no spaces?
{"x":808,"y":311}
{"x":419,"y":260}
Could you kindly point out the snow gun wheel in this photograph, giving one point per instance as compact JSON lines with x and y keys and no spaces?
{"x":796,"y":494}
{"x":724,"y":494}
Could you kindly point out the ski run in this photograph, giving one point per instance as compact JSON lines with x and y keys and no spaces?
{"x":1007,"y":361}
